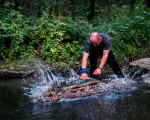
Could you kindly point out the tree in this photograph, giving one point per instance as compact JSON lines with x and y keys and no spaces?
{"x":92,"y":10}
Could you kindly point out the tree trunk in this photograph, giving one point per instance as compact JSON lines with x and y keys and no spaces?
{"x":31,"y":8}
{"x":92,"y":10}
{"x":132,"y":4}
{"x":147,"y":3}
{"x":16,"y":2}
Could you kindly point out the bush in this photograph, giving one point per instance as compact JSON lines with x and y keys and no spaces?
{"x":62,"y":39}
{"x":13,"y":32}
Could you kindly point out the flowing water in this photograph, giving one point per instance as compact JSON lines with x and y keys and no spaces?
{"x":122,"y":100}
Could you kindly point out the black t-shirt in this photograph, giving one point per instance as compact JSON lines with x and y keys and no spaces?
{"x":104,"y":45}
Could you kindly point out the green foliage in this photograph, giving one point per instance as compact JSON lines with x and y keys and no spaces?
{"x":58,"y":36}
{"x":49,"y":34}
{"x":13,"y":31}
{"x":60,"y":40}
{"x":130,"y":35}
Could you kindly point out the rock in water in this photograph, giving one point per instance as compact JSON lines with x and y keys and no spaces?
{"x":146,"y":82}
{"x":139,"y":68}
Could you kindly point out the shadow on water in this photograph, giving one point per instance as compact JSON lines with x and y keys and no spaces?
{"x":16,"y":102}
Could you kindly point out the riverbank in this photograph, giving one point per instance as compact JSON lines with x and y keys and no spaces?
{"x":16,"y":69}
{"x":27,"y":67}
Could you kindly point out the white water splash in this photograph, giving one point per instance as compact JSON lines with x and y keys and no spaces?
{"x":41,"y":82}
{"x":117,"y":84}
{"x":45,"y":79}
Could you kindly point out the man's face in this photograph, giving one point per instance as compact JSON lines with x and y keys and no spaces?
{"x":96,"y":41}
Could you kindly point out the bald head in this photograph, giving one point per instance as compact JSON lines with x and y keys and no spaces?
{"x":95,"y":38}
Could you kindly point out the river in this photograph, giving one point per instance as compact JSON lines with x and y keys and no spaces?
{"x":16,"y":103}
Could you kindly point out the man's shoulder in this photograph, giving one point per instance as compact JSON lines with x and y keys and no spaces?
{"x":104,"y":36}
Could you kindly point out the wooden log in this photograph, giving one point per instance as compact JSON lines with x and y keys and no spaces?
{"x":71,"y":92}
{"x":49,"y":94}
{"x":82,"y":85}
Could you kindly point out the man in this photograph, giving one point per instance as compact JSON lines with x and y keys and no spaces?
{"x":98,"y":44}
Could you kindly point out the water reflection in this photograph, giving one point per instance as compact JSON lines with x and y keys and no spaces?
{"x":124,"y":105}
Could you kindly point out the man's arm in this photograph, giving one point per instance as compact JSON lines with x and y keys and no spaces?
{"x":84,"y":59}
{"x":103,"y":61}
{"x":84,"y":64}
{"x":104,"y":58}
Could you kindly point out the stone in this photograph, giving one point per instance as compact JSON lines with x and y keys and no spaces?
{"x":139,"y":67}
{"x":142,"y":63}
{"x":146,"y":82}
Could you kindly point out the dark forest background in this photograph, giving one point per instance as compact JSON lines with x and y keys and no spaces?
{"x":56,"y":30}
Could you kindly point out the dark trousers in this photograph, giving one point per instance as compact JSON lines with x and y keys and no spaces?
{"x":111,"y":61}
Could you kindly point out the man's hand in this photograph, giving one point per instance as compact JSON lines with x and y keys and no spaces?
{"x":84,"y":76}
{"x":97,"y":72}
